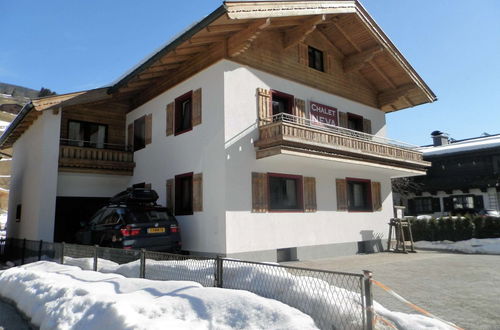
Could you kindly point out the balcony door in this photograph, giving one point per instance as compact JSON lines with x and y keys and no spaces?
{"x":85,"y":134}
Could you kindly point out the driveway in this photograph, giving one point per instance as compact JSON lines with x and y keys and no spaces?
{"x":463,"y":289}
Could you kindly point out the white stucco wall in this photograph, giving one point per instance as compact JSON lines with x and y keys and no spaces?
{"x":90,"y":185}
{"x":199,"y":150}
{"x":247,"y":231}
{"x":34,"y":179}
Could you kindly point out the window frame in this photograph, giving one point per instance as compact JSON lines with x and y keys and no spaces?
{"x":299,"y":192}
{"x":177,"y":194}
{"x":368,"y":200}
{"x":139,"y":146}
{"x":290,"y":101}
{"x":312,"y":51}
{"x":86,"y":143}
{"x":420,"y":200}
{"x":177,"y":117}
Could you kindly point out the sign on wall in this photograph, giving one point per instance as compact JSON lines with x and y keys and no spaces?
{"x":322,"y":114}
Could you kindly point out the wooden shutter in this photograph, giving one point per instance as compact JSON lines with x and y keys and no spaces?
{"x":170,"y":119}
{"x":448,"y":204}
{"x":198,"y":192}
{"x":303,"y":54}
{"x":130,"y":137}
{"x":264,"y":101}
{"x":170,"y":195}
{"x":376,"y":196}
{"x":478,"y":202}
{"x":299,"y":110}
{"x":148,"y":123}
{"x":310,"y":194}
{"x":196,"y":99}
{"x":328,"y":63}
{"x":436,"y":205}
{"x":367,"y":126}
{"x":259,"y":192}
{"x":341,"y":194}
{"x":343,"y":119}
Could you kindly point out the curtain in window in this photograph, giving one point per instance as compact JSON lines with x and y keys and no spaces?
{"x":75,"y":134}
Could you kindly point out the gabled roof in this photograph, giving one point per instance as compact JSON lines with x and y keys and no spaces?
{"x":235,"y":25}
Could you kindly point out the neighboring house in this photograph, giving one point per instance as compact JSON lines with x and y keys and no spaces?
{"x":464,"y":177}
{"x":262,"y":126}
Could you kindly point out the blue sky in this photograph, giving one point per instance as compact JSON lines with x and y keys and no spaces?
{"x":73,"y":45}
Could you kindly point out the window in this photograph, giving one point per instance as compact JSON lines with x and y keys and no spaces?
{"x":463,"y":202}
{"x":354,"y":122}
{"x":281,"y":102}
{"x":18,"y":213}
{"x":359,"y":195}
{"x":85,"y":134}
{"x":316,"y":59}
{"x":423,"y":205}
{"x":285,"y":192}
{"x":140,"y":133}
{"x":183,"y":113}
{"x":184,"y":194}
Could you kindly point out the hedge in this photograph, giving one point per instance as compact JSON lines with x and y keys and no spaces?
{"x":455,"y":229}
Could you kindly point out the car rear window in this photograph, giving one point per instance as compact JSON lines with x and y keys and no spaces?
{"x":144,"y":216}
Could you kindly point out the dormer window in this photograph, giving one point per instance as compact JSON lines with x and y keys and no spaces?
{"x":316,"y":59}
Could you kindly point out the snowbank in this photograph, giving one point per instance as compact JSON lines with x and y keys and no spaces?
{"x":61,"y":297}
{"x":472,"y":246}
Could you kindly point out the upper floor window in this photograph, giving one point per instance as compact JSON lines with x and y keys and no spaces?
{"x":316,"y":59}
{"x":359,"y":195}
{"x":85,"y":134}
{"x":281,"y":102}
{"x":285,"y":192}
{"x":354,"y":122}
{"x":183,"y":113}
{"x":139,"y":133}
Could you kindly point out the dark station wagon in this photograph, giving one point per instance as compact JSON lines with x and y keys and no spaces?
{"x":133,"y":220}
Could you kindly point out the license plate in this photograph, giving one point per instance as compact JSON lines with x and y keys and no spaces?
{"x":156,"y":230}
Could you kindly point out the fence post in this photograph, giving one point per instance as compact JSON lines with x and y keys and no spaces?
{"x":23,"y":251}
{"x":40,"y":245}
{"x":96,"y":247}
{"x":218,"y":271}
{"x":62,"y":253}
{"x":142,"y":269}
{"x":368,"y":299}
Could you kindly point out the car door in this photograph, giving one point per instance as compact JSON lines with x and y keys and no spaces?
{"x":99,"y":228}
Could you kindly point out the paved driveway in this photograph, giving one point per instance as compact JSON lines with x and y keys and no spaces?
{"x":463,"y":289}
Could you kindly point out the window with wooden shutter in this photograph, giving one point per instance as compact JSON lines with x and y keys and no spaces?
{"x":341,"y":187}
{"x":310,"y":194}
{"x":149,"y":129}
{"x":367,"y":126}
{"x":170,"y":195}
{"x":198,"y":192}
{"x":376,"y":196}
{"x":303,"y":54}
{"x":196,"y":107}
{"x":170,"y":119}
{"x":343,"y":119}
{"x":259,"y":192}
{"x":130,"y":136}
{"x":299,"y":110}
{"x":264,"y":104}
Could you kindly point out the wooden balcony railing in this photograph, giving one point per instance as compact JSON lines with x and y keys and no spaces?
{"x":95,"y":160}
{"x":284,"y":130}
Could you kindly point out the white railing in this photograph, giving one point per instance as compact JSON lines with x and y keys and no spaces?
{"x":288,"y":118}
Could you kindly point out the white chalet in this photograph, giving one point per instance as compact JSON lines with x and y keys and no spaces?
{"x":262,"y":126}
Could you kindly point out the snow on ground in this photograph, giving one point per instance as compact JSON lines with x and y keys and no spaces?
{"x":58,"y":296}
{"x":312,"y":296}
{"x":472,"y":246}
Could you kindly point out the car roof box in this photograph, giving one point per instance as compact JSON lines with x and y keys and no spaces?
{"x":135,"y":196}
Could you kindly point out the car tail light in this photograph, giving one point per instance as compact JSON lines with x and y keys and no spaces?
{"x":129,"y":231}
{"x":174,"y":229}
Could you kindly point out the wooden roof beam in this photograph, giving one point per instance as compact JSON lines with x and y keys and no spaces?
{"x":152,"y":75}
{"x":174,"y":58}
{"x":357,"y":61}
{"x":164,"y":67}
{"x":299,"y":33}
{"x":206,"y":40}
{"x":225,"y":28}
{"x":238,"y":43}
{"x":389,"y":97}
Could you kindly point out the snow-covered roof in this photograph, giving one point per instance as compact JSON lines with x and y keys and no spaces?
{"x":486,"y":142}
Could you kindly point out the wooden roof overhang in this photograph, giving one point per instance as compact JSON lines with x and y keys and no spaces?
{"x":232,"y":28}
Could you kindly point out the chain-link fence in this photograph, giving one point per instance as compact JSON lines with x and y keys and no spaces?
{"x":335,"y":300}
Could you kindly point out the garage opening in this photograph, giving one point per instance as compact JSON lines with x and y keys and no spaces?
{"x":71,"y":211}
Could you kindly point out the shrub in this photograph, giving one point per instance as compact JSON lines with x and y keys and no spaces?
{"x":464,"y":229}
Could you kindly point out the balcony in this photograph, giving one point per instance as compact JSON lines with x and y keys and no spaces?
{"x":284,"y":132}
{"x":91,"y":157}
